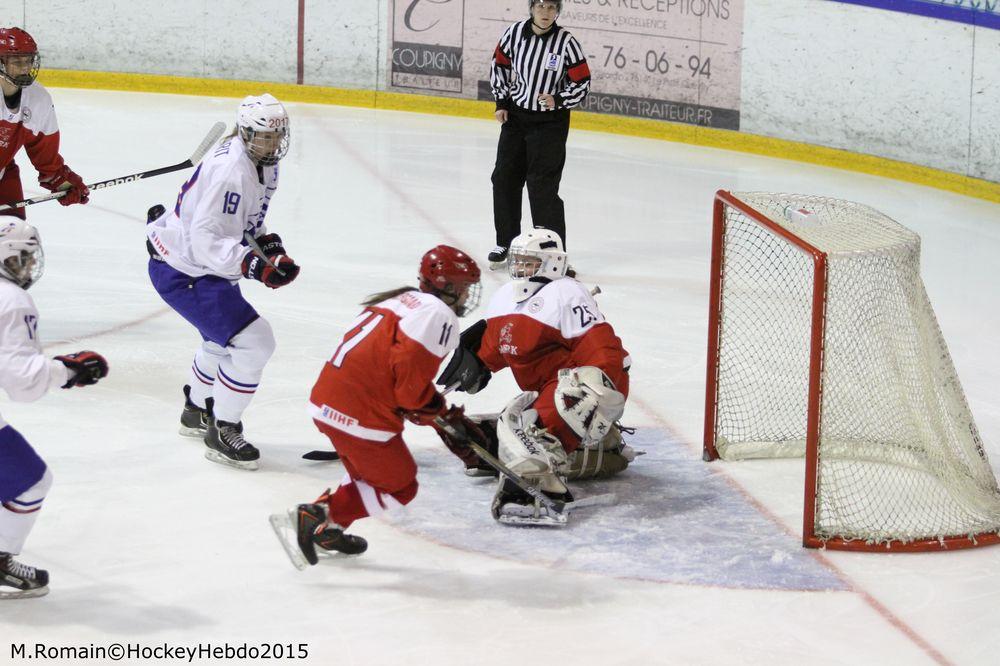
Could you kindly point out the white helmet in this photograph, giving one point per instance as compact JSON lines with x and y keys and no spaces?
{"x":21,"y":258}
{"x":263,"y":125}
{"x":534,"y":259}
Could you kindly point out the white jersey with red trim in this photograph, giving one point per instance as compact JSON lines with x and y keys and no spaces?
{"x":26,"y":374}
{"x":560,"y":326}
{"x":385,"y":365}
{"x":31,"y":125}
{"x":226,"y":197}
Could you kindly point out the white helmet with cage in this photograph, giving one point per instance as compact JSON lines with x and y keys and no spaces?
{"x":535,"y":258}
{"x":262,"y":123}
{"x":21,"y":258}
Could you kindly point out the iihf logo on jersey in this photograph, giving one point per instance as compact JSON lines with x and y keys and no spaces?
{"x":552,"y":62}
{"x":25,"y":114}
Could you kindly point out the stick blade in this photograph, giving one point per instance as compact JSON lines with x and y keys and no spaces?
{"x":218,"y":129}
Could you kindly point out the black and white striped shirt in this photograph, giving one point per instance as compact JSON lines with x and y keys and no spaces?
{"x":526,"y":65}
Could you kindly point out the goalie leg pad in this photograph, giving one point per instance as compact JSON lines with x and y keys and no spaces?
{"x":600,"y":460}
{"x":527,"y":449}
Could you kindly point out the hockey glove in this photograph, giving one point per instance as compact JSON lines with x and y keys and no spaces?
{"x":456,"y":430}
{"x":66,"y":179}
{"x":270,"y":244}
{"x":86,"y":367}
{"x":256,"y":267}
{"x":425,"y":415}
{"x":466,"y":370}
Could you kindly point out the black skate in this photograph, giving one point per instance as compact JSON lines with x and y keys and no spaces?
{"x":18,"y":581}
{"x":334,"y":539}
{"x":303,"y":521}
{"x":498,"y":258}
{"x":194,"y":419}
{"x":227,"y":446}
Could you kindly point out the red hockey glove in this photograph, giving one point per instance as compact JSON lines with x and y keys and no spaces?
{"x":456,"y":429}
{"x":256,"y":267}
{"x":67,"y":179}
{"x":425,"y":415}
{"x":270,"y":244}
{"x":86,"y":367}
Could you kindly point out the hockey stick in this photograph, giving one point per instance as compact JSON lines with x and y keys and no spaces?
{"x":330,"y":456}
{"x":210,"y":139}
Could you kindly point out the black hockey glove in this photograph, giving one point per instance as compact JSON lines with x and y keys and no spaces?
{"x":256,"y":267}
{"x":270,"y":244}
{"x":466,"y":370}
{"x":86,"y":367}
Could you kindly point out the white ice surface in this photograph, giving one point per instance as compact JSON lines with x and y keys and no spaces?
{"x":147,"y":542}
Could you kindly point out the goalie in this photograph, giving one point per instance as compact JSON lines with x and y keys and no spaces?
{"x":548,"y":330}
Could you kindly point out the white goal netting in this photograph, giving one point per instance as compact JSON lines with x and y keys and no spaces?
{"x":899,"y":456}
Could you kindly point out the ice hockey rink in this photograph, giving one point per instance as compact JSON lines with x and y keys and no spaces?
{"x":148,"y":543}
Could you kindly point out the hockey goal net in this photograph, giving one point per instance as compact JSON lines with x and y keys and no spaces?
{"x":823,"y":344}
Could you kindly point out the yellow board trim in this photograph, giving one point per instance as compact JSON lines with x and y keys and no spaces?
{"x":639,"y":127}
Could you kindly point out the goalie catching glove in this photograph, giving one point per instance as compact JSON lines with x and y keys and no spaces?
{"x":256,"y":267}
{"x":85,"y":367}
{"x":66,"y":179}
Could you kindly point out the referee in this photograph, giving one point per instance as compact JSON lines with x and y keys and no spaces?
{"x":537,"y":75}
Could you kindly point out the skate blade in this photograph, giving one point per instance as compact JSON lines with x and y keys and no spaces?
{"x":216,"y":457}
{"x":282,"y":525}
{"x":24,"y":594}
{"x":192,"y":432}
{"x":548,"y":520}
{"x":475,"y":472}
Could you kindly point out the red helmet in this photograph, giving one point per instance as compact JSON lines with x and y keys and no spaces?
{"x":451,"y":275}
{"x":17,"y":42}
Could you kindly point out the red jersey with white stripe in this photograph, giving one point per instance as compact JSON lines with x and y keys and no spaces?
{"x":385,"y":365}
{"x":31,"y":125}
{"x":559,"y":327}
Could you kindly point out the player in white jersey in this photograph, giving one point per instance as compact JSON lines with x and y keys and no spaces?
{"x":26,"y":375}
{"x":214,"y":236}
{"x":28,"y":120}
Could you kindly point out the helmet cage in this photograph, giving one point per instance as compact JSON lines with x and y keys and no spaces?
{"x":20,"y":80}
{"x":262,"y":124}
{"x":22,"y":260}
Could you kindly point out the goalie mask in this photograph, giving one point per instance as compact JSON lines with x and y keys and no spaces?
{"x":21,"y":258}
{"x":535,"y":259}
{"x":588,"y":402}
{"x":19,"y":59}
{"x":262,"y":123}
{"x":452,"y":276}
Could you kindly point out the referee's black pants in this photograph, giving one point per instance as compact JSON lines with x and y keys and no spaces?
{"x":532,"y":150}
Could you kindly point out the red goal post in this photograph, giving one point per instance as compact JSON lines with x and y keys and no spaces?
{"x":822,"y":344}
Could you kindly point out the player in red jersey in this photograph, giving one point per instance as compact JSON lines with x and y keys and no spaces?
{"x":382,"y":372}
{"x":565,"y":356}
{"x":28,"y":119}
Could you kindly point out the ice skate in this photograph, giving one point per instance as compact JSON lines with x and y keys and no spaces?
{"x":194,"y":419}
{"x":297,"y":531}
{"x":513,"y":506}
{"x":227,"y":446}
{"x":18,"y":581}
{"x":498,"y":258}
